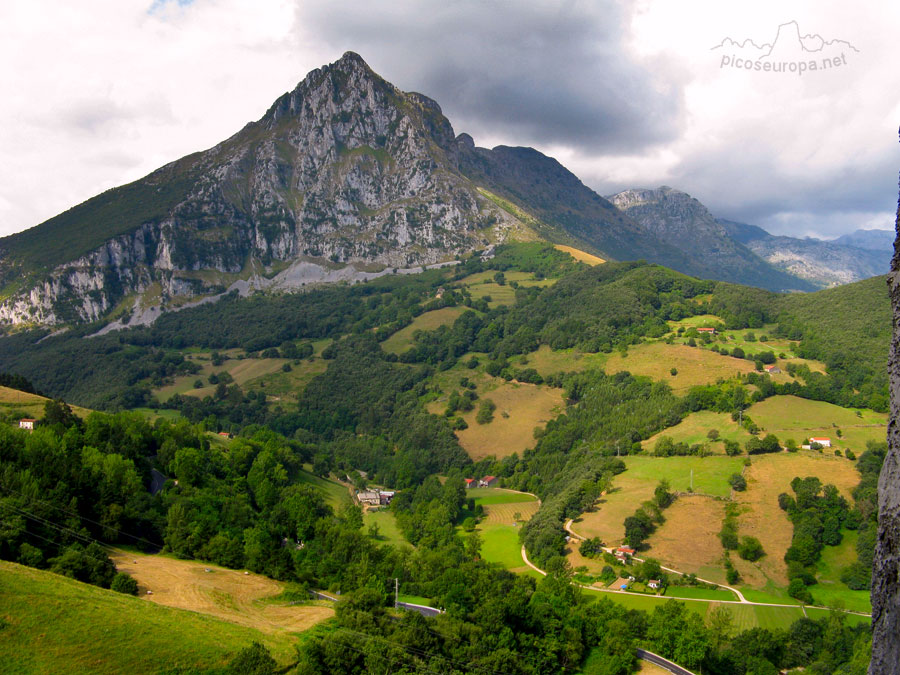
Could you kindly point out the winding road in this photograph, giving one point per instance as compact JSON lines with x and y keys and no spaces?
{"x":741,"y":599}
{"x":739,"y":595}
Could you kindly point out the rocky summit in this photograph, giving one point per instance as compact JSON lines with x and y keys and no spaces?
{"x":344,"y":178}
{"x":346,"y":168}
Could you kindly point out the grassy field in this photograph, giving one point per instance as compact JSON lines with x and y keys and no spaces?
{"x":546,"y":361}
{"x":851,"y":619}
{"x":280,"y":385}
{"x":695,"y":427}
{"x":520,"y":408}
{"x":778,"y":346}
{"x":767,"y":477}
{"x":230,"y":595}
{"x":744,"y":616}
{"x":499,"y":531}
{"x":15,"y":403}
{"x":242,"y":370}
{"x":707,"y":320}
{"x":388,"y":532}
{"x":636,"y":485}
{"x":699,"y":593}
{"x":56,"y":625}
{"x":402,"y":340}
{"x":491,"y":496}
{"x":709,"y":474}
{"x":335,"y":494}
{"x":580,"y":256}
{"x":694,"y":366}
{"x":689,"y":541}
{"x":799,"y":418}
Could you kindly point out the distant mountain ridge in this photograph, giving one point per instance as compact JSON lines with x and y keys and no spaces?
{"x":852,"y":257}
{"x":685,"y":223}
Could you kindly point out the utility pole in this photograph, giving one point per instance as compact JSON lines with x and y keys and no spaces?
{"x":396,"y":592}
{"x":692,"y":480}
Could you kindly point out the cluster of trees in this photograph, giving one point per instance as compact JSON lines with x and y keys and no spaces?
{"x":646,"y":518}
{"x":575,"y":455}
{"x":858,"y":575}
{"x":69,"y":487}
{"x":818,"y":513}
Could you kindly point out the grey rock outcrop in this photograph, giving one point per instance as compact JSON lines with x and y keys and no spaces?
{"x":886,"y":567}
{"x":346,"y":168}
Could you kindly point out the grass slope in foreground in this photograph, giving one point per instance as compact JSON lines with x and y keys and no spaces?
{"x":52,"y":624}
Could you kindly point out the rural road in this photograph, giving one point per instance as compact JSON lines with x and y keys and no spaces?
{"x":656,"y":659}
{"x":739,"y":595}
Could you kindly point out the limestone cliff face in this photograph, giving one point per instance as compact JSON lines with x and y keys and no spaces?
{"x":886,"y":568}
{"x":345,"y":168}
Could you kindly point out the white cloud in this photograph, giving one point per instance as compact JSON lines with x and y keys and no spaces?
{"x":101,"y":92}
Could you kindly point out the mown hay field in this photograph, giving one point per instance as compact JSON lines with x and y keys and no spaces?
{"x":58,"y":625}
{"x":231,"y":595}
{"x":520,"y":408}
{"x":693,"y":365}
{"x":689,"y":539}
{"x":402,"y":340}
{"x":767,"y":477}
{"x":695,"y":429}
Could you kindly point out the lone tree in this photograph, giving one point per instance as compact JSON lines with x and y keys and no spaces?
{"x":124,"y":583}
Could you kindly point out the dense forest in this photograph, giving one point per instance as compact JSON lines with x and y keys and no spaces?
{"x":72,"y":487}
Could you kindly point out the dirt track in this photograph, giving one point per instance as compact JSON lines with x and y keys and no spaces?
{"x":227,"y":594}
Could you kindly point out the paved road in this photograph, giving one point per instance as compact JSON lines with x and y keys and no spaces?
{"x":739,"y":595}
{"x":424,"y":610}
{"x":157,"y":480}
{"x":662,"y":597}
{"x":650,"y":657}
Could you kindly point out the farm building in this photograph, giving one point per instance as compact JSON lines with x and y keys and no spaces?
{"x":487,"y":481}
{"x":470,"y":483}
{"x":824,"y":442}
{"x":773,"y":370}
{"x":225,"y":434}
{"x":711,"y":331}
{"x":375,"y":497}
{"x":625,"y":550}
{"x":653,"y":583}
{"x":371,"y":497}
{"x":26,"y":423}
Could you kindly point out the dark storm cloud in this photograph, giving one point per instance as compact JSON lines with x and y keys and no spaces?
{"x":754,"y":189}
{"x":542,"y":74}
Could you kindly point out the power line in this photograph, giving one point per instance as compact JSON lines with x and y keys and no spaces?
{"x":85,"y":518}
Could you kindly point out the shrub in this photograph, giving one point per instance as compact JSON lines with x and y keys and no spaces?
{"x":857,"y":576}
{"x":253,"y":660}
{"x":750,"y":549}
{"x":486,"y":412}
{"x":737,"y":482}
{"x":797,"y":589}
{"x":124,"y":583}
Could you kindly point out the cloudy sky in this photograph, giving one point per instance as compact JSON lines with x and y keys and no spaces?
{"x":625,"y":94}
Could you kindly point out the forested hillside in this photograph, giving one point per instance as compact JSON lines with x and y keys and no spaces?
{"x":530,"y":318}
